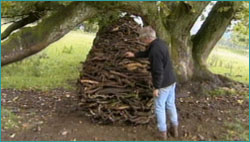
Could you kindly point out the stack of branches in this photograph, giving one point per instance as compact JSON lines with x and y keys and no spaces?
{"x":113,"y":88}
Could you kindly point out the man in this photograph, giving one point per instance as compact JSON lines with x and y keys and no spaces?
{"x":163,"y":80}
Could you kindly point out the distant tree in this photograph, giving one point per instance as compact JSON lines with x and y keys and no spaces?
{"x":240,"y":40}
{"x":240,"y":34}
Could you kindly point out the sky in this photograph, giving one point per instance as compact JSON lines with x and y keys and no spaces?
{"x":199,"y":21}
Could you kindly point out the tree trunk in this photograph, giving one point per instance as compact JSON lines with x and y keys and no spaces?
{"x":30,"y":40}
{"x":210,"y":32}
{"x":178,"y":26}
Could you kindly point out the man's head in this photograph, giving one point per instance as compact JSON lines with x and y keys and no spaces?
{"x":147,"y":35}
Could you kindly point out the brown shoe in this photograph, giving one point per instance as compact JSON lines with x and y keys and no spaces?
{"x":162,"y":135}
{"x":174,"y":131}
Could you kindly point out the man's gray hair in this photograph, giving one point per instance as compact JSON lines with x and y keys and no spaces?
{"x":147,"y":32}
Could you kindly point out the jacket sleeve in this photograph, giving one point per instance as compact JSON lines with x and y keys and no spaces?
{"x":143,"y":54}
{"x":157,"y":68}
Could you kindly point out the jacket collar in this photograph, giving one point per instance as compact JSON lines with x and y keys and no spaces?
{"x":153,"y":42}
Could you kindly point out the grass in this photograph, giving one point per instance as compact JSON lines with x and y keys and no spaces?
{"x":221,"y":91}
{"x":57,"y":66}
{"x":231,"y":63}
{"x":237,"y":131}
{"x":8,"y":119}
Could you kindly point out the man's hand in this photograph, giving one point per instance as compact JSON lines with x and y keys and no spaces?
{"x":156,"y":93}
{"x":129,"y":54}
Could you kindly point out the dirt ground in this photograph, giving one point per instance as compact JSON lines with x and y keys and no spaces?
{"x":54,"y":116}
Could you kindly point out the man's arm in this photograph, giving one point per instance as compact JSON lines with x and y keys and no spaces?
{"x":142,"y":54}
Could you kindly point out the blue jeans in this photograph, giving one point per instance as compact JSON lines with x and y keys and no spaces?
{"x":166,"y":101}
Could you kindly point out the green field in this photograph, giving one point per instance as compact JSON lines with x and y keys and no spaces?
{"x":233,"y":63}
{"x":58,"y":66}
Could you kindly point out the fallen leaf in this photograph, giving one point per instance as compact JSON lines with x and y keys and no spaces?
{"x":15,"y":99}
{"x":201,"y":137}
{"x":219,"y":118}
{"x":13,"y":135}
{"x":95,"y":139}
{"x":240,"y":101}
{"x":181,"y":100}
{"x":26,"y":125}
{"x":64,"y":133}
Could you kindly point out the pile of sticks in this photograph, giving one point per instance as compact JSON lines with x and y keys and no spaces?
{"x":113,"y":88}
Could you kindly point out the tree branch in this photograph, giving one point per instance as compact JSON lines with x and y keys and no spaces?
{"x":212,"y":29}
{"x":31,"y":40}
{"x":14,"y":16}
{"x":39,"y":6}
{"x":19,"y":24}
{"x":183,"y":15}
{"x":9,"y":22}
